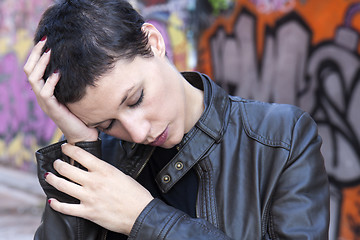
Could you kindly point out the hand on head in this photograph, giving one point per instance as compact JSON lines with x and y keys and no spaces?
{"x":72,"y":127}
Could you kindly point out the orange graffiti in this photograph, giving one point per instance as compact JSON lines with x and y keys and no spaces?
{"x":350,"y":214}
{"x":323,"y":17}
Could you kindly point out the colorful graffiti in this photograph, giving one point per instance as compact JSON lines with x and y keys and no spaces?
{"x":302,"y":52}
{"x":172,"y":20}
{"x":281,"y":51}
{"x":269,"y":6}
{"x":24,"y":127}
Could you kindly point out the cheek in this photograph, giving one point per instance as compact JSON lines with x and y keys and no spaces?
{"x":164,"y":100}
{"x":166,"y":104}
{"x":118,"y":132}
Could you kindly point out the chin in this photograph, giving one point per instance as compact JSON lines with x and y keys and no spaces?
{"x":168,"y":145}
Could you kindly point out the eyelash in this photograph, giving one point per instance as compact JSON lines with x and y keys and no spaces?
{"x":139,"y":101}
{"x":110,"y":126}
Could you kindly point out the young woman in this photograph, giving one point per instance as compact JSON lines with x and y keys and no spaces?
{"x":151,"y":153}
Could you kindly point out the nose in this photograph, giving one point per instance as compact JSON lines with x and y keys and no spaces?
{"x":136,"y":127}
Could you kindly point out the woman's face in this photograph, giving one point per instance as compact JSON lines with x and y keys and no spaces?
{"x":141,"y":101}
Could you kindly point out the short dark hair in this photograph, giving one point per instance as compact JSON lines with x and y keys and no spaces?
{"x":86,"y":38}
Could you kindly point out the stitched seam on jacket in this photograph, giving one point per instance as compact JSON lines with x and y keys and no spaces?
{"x":203,"y":226}
{"x":292,"y":136}
{"x":170,"y":224}
{"x":141,"y":222}
{"x":79,"y":228}
{"x":273,"y":233}
{"x":199,"y":211}
{"x":212,"y":196}
{"x":271,"y":227}
{"x":252,"y":134}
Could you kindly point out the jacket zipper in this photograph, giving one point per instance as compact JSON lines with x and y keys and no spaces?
{"x":198,"y":193}
{"x":146,"y":161}
{"x":104,"y":235}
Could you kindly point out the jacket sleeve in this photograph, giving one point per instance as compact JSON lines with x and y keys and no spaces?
{"x":300,"y":204}
{"x":55,"y":225}
{"x":161,"y":221}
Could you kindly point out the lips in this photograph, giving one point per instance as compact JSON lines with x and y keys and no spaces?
{"x":161,"y":139}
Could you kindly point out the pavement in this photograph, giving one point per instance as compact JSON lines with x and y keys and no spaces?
{"x":21,"y":204}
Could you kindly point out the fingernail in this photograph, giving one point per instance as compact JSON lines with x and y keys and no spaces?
{"x":49,"y":201}
{"x":56,"y":71}
{"x":45,"y":175}
{"x":43,"y":38}
{"x":47,"y":50}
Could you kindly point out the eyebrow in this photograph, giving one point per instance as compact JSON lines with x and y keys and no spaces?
{"x":122,"y":101}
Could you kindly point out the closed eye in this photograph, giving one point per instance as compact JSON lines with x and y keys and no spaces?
{"x":139,"y":101}
{"x":108,"y":128}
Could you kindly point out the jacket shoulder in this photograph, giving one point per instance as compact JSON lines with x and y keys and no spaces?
{"x":269,"y":123}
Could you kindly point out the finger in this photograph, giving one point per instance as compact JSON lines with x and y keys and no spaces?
{"x":76,"y":210}
{"x":73,"y":173}
{"x":35,"y":77}
{"x":34,"y":56}
{"x":47,"y":90}
{"x":83,"y":157}
{"x":65,"y":186}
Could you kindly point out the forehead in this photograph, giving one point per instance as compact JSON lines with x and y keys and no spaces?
{"x":108,"y":92}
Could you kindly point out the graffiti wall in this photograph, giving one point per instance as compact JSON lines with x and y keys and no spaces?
{"x":301,"y":52}
{"x":304,"y":53}
{"x":23,"y":126}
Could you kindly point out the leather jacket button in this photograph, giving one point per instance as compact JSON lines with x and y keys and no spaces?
{"x":166,"y":178}
{"x":179,"y":166}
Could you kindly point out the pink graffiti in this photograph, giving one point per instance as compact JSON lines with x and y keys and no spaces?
{"x":19,"y":111}
{"x":163,"y":30}
{"x":154,"y":2}
{"x":20,"y":14}
{"x":353,"y":10}
{"x":269,"y":6}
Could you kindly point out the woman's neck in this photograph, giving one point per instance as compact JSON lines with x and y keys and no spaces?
{"x":194,"y":105}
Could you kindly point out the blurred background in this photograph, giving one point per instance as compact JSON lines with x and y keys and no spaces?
{"x":300,"y":52}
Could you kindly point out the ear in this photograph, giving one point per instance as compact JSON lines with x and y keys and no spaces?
{"x":156,"y":40}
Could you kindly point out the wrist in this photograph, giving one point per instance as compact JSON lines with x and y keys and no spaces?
{"x":75,"y":139}
{"x":130,"y":224}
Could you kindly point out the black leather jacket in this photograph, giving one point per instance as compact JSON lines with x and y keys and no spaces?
{"x":261,"y":176}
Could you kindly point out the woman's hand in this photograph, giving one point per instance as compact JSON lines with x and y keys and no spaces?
{"x":71,"y":126}
{"x":107,"y":196}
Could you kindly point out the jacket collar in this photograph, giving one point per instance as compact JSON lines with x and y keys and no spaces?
{"x":207,"y":132}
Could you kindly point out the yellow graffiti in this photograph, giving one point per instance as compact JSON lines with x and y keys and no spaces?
{"x":4,"y":45}
{"x":178,"y":41}
{"x":2,"y":148}
{"x":23,"y":44}
{"x":20,"y":46}
{"x":18,"y":153}
{"x":57,"y":136}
